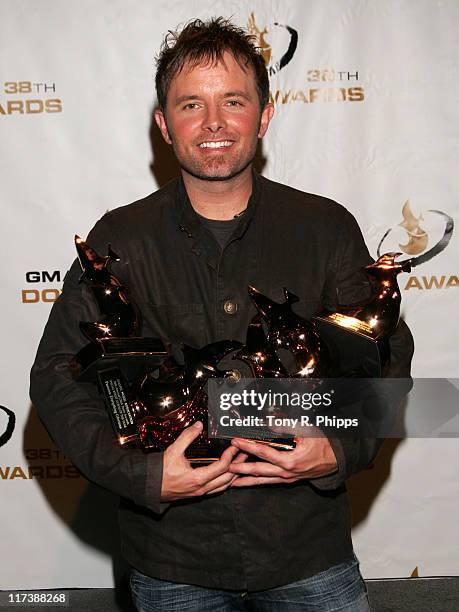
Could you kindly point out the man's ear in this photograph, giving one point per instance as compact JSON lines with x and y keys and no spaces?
{"x":161,"y":123}
{"x":266,"y":116}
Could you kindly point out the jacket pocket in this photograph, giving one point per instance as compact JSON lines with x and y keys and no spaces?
{"x":174,"y":323}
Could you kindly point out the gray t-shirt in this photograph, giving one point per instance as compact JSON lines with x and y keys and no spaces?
{"x":221,"y":230}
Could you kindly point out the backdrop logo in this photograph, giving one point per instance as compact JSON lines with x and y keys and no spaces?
{"x":10,"y":425}
{"x":28,"y":98}
{"x":275,"y":59}
{"x":413,"y":239}
{"x":278,"y":45}
{"x":42,"y":463}
{"x":323,"y":85}
{"x":47,"y":294}
{"x":418,"y":238}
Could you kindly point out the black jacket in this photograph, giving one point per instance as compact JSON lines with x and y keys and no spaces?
{"x":246,"y":539}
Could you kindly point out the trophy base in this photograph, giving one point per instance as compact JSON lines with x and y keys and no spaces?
{"x":354,"y":349}
{"x":206,"y":452}
{"x":131,"y":355}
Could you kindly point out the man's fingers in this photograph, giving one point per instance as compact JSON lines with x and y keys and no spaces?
{"x":251,"y":481}
{"x":217,"y":475}
{"x":259,"y":469}
{"x":208,"y":472}
{"x":186,"y":438}
{"x":223,"y":487}
{"x":226,"y":486}
{"x":228,"y":455}
{"x":220,"y":483}
{"x":240,"y":458}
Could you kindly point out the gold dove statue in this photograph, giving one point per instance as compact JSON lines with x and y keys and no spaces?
{"x":259,"y":35}
{"x":417,"y":236}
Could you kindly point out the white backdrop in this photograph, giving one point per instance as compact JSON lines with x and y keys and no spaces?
{"x":366,"y":113}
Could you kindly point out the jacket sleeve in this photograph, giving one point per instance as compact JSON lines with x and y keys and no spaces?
{"x":348,"y":285}
{"x":73,"y":412}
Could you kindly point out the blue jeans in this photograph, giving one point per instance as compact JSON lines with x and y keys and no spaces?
{"x":339,"y":588}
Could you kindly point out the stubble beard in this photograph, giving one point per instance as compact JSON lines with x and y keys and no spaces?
{"x":216,"y":168}
{"x":213,"y":169}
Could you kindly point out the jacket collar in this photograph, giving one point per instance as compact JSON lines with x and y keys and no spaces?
{"x":189,"y":222}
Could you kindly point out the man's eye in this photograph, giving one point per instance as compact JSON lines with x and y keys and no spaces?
{"x":191,"y":105}
{"x":234,"y":103}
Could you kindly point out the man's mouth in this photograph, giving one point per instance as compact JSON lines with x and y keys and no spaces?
{"x":216,"y":144}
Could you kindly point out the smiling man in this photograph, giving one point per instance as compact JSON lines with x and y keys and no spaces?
{"x":274,"y":531}
{"x":213,"y":119}
{"x":213,"y":116}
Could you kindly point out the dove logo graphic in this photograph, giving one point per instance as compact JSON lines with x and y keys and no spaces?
{"x":417,"y":237}
{"x":276,"y":56}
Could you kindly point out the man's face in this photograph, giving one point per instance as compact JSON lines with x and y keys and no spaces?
{"x":213,"y":119}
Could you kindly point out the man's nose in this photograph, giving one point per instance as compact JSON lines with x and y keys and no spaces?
{"x":214,"y":119}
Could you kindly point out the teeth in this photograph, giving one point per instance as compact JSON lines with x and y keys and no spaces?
{"x":215,"y":145}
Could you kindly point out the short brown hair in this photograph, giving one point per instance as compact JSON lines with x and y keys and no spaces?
{"x":206,"y":41}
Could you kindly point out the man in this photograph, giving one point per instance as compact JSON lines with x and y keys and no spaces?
{"x":275,"y":532}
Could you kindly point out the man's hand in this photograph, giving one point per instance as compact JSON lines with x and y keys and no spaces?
{"x":312,"y":458}
{"x":180,"y":480}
